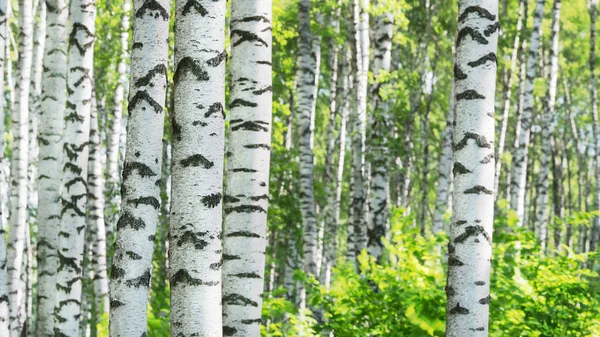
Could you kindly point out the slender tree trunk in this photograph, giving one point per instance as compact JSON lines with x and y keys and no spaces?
{"x":445,"y":169}
{"x":96,"y":215}
{"x":547,"y":129}
{"x":380,"y":130}
{"x":19,"y":181}
{"x":54,"y":96}
{"x":593,"y":11}
{"x":307,"y":82}
{"x":198,"y":150}
{"x":470,"y":247}
{"x":558,"y":193}
{"x":71,"y":238}
{"x":361,"y":22}
{"x":4,"y":291}
{"x":136,"y":229}
{"x":114,"y":136}
{"x":520,"y":28}
{"x":248,"y":159}
{"x":519,"y":174}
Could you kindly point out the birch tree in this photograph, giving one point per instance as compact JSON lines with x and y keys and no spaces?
{"x":306,"y":104}
{"x":136,"y":228}
{"x":18,"y":213}
{"x":51,"y":124}
{"x":112,"y":146}
{"x":593,"y":11}
{"x":195,"y":254}
{"x":67,"y":311}
{"x":547,"y":129}
{"x":445,"y":169}
{"x":519,"y":173}
{"x":4,"y":291}
{"x":380,"y":128}
{"x":470,"y":246}
{"x":248,"y":158}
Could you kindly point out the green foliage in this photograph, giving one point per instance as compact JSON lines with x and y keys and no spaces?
{"x":532,"y":294}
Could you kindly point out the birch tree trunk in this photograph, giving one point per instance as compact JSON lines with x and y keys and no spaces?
{"x":96,"y":215}
{"x":112,"y":146}
{"x":593,"y":11}
{"x":195,"y":255}
{"x":136,"y":229}
{"x":380,"y":130}
{"x":18,"y":214}
{"x":445,"y":169}
{"x":358,"y":204}
{"x":547,"y":129}
{"x":307,"y":88}
{"x":519,"y":174}
{"x":470,"y":247}
{"x":71,"y":238}
{"x":521,"y":17}
{"x":248,"y":159}
{"x":54,"y":96}
{"x":4,"y":290}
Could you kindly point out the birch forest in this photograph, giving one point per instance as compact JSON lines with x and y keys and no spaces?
{"x":253,"y":168}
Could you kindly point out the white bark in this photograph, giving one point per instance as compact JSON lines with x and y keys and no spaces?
{"x":4,"y":313}
{"x":112,"y":146}
{"x":547,"y":129}
{"x":380,"y":127}
{"x":18,"y":214}
{"x":96,"y":216}
{"x":50,"y":135}
{"x":361,"y":23}
{"x":307,"y":84}
{"x":196,"y":257}
{"x":136,"y":229}
{"x":445,"y":169}
{"x":71,"y":238}
{"x":248,"y":159}
{"x":470,"y":246}
{"x":593,"y":11}
{"x":519,"y":174}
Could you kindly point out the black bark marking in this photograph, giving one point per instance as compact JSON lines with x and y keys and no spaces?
{"x":245,"y":209}
{"x":480,"y":283}
{"x":262,"y":91}
{"x":70,"y":262}
{"x":153,"y":6}
{"x":251,"y":126}
{"x":458,"y":74}
{"x":246,"y":36}
{"x":487,"y":159}
{"x":253,"y":18}
{"x":215,"y":61}
{"x":240,"y":102}
{"x":478,"y":329}
{"x":229,"y":331}
{"x":196,"y":161}
{"x":73,"y":38}
{"x":216,"y":265}
{"x":193,"y":238}
{"x":115,"y":304}
{"x":481,"y":12}
{"x":491,"y":29}
{"x":247,"y":170}
{"x":478,"y":190}
{"x":450,"y":291}
{"x":252,"y":321}
{"x":485,"y":300}
{"x":183,"y":277}
{"x":460,"y":222}
{"x":237,"y":299}
{"x":480,"y":140}
{"x":458,"y":310}
{"x":230,"y":199}
{"x":212,"y":200}
{"x":133,"y":255}
{"x":150,"y":201}
{"x":228,"y":257}
{"x":246,"y":234}
{"x":143,"y":170}
{"x":247,"y":275}
{"x":259,"y":197}
{"x":258,"y":146}
{"x":142,"y":281}
{"x":143,"y":95}
{"x":194,"y":4}
{"x":215,"y":108}
{"x":454,"y":261}
{"x":473,"y":33}
{"x":491,"y":57}
{"x":460,"y":169}
{"x":137,"y":45}
{"x":72,"y":167}
{"x":189,"y":65}
{"x":128,"y":220}
{"x":147,"y":79}
{"x":469,"y":95}
{"x":473,"y":231}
